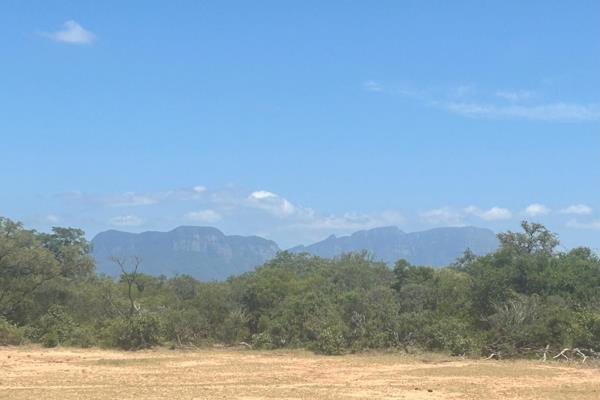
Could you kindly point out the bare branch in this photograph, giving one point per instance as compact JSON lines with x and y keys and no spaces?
{"x":562,"y":353}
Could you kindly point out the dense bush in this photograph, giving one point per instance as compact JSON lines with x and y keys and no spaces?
{"x":513,"y":302}
{"x":137,"y":332}
{"x":10,"y":334}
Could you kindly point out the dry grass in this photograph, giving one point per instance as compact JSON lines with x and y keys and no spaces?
{"x":37,"y":373}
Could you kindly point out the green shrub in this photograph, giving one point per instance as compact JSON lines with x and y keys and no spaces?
{"x":450,"y":334}
{"x":140,"y":332}
{"x":82,"y":337}
{"x":331,"y":341}
{"x":50,"y":339}
{"x":184,"y":327}
{"x":10,"y":334}
{"x":54,"y":328}
{"x":262,"y":340}
{"x":235,"y":327}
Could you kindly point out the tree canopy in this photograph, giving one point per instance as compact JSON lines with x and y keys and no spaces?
{"x":520,"y":299}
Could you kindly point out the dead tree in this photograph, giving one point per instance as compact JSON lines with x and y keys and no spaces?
{"x":130,"y":277}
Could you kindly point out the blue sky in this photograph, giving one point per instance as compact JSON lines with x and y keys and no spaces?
{"x":295,"y":120}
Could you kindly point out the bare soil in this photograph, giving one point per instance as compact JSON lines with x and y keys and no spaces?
{"x":65,"y":373}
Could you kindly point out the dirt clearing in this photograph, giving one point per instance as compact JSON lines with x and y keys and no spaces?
{"x":39,"y":373}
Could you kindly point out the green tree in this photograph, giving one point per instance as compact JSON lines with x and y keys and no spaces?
{"x":25,"y":266}
{"x":536,"y":239}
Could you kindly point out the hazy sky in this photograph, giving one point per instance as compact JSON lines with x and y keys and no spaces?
{"x":295,"y":120}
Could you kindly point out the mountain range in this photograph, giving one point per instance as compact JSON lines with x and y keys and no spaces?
{"x":208,"y":254}
{"x":436,"y":247}
{"x":203,"y":252}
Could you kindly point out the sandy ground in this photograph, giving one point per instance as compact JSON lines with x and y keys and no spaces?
{"x":38,"y":373}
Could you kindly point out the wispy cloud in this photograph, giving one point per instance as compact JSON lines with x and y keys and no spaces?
{"x":71,"y":33}
{"x":45,"y":219}
{"x":372,"y":86}
{"x":577,"y":209}
{"x":51,"y":218}
{"x":466,"y":101}
{"x":595,"y":224}
{"x":536,"y":209}
{"x":493,"y":214}
{"x":557,"y":112}
{"x":126,"y":220}
{"x":350,"y":221}
{"x":128,"y":199}
{"x":461,"y":91}
{"x":442,"y":216}
{"x":515,"y":95}
{"x":298,"y":217}
{"x":274,"y":215}
{"x":456,"y":217}
{"x":208,"y":216}
{"x":70,"y":195}
{"x":134,"y":199}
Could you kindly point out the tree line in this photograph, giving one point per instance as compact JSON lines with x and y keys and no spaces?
{"x":524,"y":300}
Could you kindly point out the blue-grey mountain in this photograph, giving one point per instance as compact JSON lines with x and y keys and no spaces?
{"x":208,"y":254}
{"x":436,"y":247}
{"x":203,"y":252}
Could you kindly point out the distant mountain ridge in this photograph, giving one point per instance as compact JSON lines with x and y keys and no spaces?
{"x":436,"y":247}
{"x":208,"y":254}
{"x":203,"y":252}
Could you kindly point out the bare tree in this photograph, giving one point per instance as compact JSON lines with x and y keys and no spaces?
{"x":130,"y":277}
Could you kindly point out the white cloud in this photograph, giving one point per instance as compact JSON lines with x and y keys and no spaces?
{"x":126,"y":220}
{"x":272,"y":203}
{"x":207,"y":215}
{"x":577,"y":209}
{"x":452,"y":217}
{"x":350,"y":221}
{"x":72,"y":33}
{"x":300,"y":218}
{"x":515,"y":95}
{"x":442,"y":216}
{"x":51,"y":218}
{"x":71,"y":195}
{"x":46,"y":219}
{"x":134,"y":199}
{"x":493,"y":214}
{"x":535,"y":209}
{"x":303,"y":218}
{"x":463,"y":100}
{"x":262,"y":194}
{"x":372,"y":86}
{"x":128,"y":199}
{"x":561,"y":112}
{"x":462,"y":91}
{"x":584,"y":225}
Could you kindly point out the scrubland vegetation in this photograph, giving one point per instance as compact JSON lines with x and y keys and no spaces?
{"x":523,"y":300}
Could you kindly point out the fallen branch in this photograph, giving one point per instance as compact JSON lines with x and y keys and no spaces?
{"x":562,"y":353}
{"x":546,"y":353}
{"x":579,"y":353}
